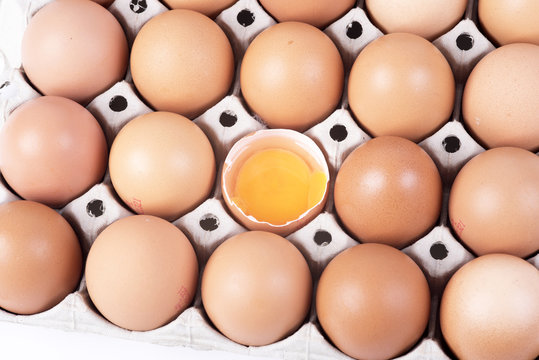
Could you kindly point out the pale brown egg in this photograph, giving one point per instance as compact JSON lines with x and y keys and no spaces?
{"x":292,"y":76}
{"x":75,"y":49}
{"x":40,"y":257}
{"x":208,"y":8}
{"x":426,"y":18}
{"x":494,"y":202}
{"x":510,"y":21}
{"x":373,"y":301}
{"x":256,"y":288}
{"x":181,"y":61}
{"x":401,"y":85}
{"x":317,"y":13}
{"x":499,"y":104}
{"x":162,"y":164}
{"x":389,"y":191}
{"x":490,"y":309}
{"x":141,"y":272}
{"x":52,"y":150}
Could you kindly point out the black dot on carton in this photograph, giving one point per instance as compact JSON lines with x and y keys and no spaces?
{"x":95,"y":208}
{"x":138,"y":6}
{"x":438,"y":251}
{"x":451,"y":144}
{"x":228,"y":118}
{"x":209,"y":222}
{"x":5,"y":84}
{"x":338,"y":132}
{"x":118,"y":103}
{"x":465,"y":41}
{"x":245,"y":17}
{"x":354,"y":30}
{"x":322,"y":238}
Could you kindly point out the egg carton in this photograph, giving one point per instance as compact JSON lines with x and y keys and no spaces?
{"x":439,"y":253}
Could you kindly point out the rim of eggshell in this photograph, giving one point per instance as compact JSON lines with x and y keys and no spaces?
{"x":312,"y":155}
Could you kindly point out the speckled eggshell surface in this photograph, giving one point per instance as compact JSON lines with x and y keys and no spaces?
{"x":388,"y":190}
{"x":209,"y":8}
{"x":401,"y":85}
{"x":292,"y":76}
{"x":494,"y":202}
{"x":256,"y":288}
{"x":426,"y":18}
{"x":373,"y":301}
{"x":40,"y":257}
{"x":182,"y":62}
{"x":141,"y":272}
{"x":171,"y":159}
{"x":490,"y":309}
{"x":75,"y":49}
{"x":500,"y":103}
{"x":52,"y":150}
{"x":508,"y":22}
{"x":317,"y":13}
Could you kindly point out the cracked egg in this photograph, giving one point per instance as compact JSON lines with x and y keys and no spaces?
{"x":275,"y":180}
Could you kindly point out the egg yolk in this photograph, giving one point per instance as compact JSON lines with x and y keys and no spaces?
{"x":277,"y":186}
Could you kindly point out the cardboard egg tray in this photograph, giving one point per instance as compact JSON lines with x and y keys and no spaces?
{"x":438,"y":253}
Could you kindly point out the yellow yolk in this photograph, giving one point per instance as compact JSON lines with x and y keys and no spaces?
{"x":277,"y":186}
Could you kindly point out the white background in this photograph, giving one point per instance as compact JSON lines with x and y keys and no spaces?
{"x":22,"y":342}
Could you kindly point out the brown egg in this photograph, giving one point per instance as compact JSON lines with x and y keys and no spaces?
{"x":208,"y":8}
{"x":426,"y":18}
{"x":499,"y":104}
{"x":52,"y":150}
{"x":317,"y":13}
{"x":292,"y":76}
{"x":389,"y":191}
{"x":507,"y":21}
{"x":40,"y":257}
{"x":162,"y":164}
{"x":181,"y":61}
{"x":256,"y":288}
{"x":105,"y":3}
{"x":494,"y":202}
{"x":141,"y":272}
{"x":401,"y":85}
{"x":373,"y":302}
{"x":490,"y":309}
{"x":75,"y":49}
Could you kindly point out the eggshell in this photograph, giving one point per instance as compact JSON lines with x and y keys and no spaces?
{"x":141,"y":272}
{"x":317,"y":13}
{"x":401,"y":85}
{"x":40,"y":257}
{"x":499,"y":104}
{"x":494,"y":202}
{"x":426,"y":18}
{"x":162,"y":164}
{"x":490,"y":309}
{"x":292,"y":76}
{"x":373,"y":301}
{"x":389,"y":191}
{"x":52,"y":150}
{"x":181,"y":61}
{"x":76,"y":49}
{"x":507,"y":22}
{"x":269,"y":139}
{"x":208,"y":8}
{"x":256,"y":288}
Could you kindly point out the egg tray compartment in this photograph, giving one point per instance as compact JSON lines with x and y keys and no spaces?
{"x":438,"y":253}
